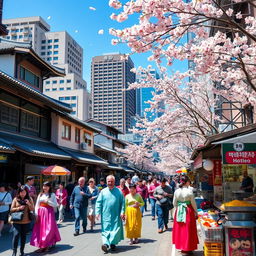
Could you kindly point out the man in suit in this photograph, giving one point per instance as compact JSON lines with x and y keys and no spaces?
{"x":79,"y":201}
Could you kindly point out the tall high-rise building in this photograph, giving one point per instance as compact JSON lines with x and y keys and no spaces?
{"x":62,"y":51}
{"x":143,"y":95}
{"x":111,"y":103}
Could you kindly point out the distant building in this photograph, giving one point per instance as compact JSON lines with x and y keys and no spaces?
{"x":60,"y":50}
{"x":111,"y":103}
{"x":143,"y":95}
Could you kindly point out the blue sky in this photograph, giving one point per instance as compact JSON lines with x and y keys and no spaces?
{"x":75,"y":16}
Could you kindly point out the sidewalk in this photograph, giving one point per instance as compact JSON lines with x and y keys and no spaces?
{"x":89,"y":244}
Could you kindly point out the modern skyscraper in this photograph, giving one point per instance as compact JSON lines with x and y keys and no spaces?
{"x":143,"y":95}
{"x":111,"y":103}
{"x":62,"y":51}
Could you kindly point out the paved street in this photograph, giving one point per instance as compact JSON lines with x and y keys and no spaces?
{"x":151,"y":243}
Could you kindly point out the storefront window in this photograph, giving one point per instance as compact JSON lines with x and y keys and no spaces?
{"x":77,"y":135}
{"x":66,"y":131}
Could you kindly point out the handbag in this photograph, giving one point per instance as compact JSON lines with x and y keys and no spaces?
{"x":163,"y":201}
{"x":16,"y":216}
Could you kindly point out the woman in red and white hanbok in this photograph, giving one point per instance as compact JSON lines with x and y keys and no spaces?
{"x":184,"y":234}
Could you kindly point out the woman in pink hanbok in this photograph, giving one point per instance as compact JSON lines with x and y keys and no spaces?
{"x":45,"y":232}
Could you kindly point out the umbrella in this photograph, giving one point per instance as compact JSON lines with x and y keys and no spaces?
{"x":55,"y":170}
{"x":181,"y":170}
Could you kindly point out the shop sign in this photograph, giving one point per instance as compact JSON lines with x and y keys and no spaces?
{"x":240,"y":241}
{"x":217,"y":173}
{"x":3,"y":159}
{"x":239,"y":153}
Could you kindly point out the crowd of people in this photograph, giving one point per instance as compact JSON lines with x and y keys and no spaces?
{"x":120,"y":209}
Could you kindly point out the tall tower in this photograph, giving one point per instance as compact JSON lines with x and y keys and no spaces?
{"x":111,"y":103}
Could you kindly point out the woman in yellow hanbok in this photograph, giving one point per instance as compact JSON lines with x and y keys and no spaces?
{"x":133,"y":202}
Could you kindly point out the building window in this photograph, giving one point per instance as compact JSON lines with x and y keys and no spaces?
{"x":54,"y":89}
{"x":20,"y":36}
{"x":66,"y":131}
{"x":43,"y":41}
{"x":77,"y":135}
{"x":67,"y":98}
{"x":47,"y":82}
{"x":73,"y":98}
{"x":29,"y":77}
{"x":55,"y":58}
{"x":68,"y":88}
{"x":61,"y":89}
{"x":88,"y":139}
{"x":56,"y":46}
{"x":47,"y":90}
{"x":49,"y":53}
{"x":49,"y":58}
{"x":54,"y":81}
{"x":73,"y":113}
{"x":49,"y":41}
{"x":49,"y":47}
{"x":61,"y":81}
{"x":29,"y":121}
{"x":69,"y":81}
{"x":56,"y":52}
{"x":56,"y":40}
{"x":73,"y":105}
{"x":9,"y":115}
{"x":43,"y":48}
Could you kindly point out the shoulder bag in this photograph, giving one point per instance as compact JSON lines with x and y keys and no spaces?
{"x":16,"y":216}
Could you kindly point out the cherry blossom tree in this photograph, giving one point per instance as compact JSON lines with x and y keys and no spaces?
{"x":222,"y":47}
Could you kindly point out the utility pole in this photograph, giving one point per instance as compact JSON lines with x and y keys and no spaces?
{"x":3,"y":30}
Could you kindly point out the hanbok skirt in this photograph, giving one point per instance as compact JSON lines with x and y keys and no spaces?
{"x":45,"y":232}
{"x":184,"y":235}
{"x":133,"y":222}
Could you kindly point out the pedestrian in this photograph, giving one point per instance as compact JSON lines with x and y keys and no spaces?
{"x":5,"y":202}
{"x":123,"y":187}
{"x":184,"y":234}
{"x":30,"y":180}
{"x":163,"y":195}
{"x":102,"y":184}
{"x":70,"y":187}
{"x":94,"y":191}
{"x":133,"y":203}
{"x":79,"y":201}
{"x":22,"y":202}
{"x":143,"y":191}
{"x":152,"y":199}
{"x":247,"y":184}
{"x":135,"y":179}
{"x":111,"y":205}
{"x":128,"y":181}
{"x":144,"y":182}
{"x":45,"y":232}
{"x":61,"y":196}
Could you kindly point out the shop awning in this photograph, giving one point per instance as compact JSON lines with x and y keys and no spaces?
{"x":115,"y":166}
{"x":104,"y":148}
{"x":34,"y":147}
{"x":6,"y":148}
{"x":247,"y":138}
{"x":85,"y":157}
{"x":128,"y":169}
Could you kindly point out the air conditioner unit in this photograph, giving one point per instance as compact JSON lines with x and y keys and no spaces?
{"x":83,"y":146}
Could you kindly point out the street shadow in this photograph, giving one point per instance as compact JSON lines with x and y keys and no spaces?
{"x":124,"y":248}
{"x":57,"y":248}
{"x":146,"y":241}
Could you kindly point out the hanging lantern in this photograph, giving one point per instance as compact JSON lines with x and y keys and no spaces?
{"x":208,"y":165}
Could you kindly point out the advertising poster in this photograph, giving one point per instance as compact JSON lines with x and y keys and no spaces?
{"x":240,"y":242}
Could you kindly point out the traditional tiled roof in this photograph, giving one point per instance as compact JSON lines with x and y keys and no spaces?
{"x":34,"y":93}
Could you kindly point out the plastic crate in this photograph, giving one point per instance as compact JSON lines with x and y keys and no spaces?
{"x":213,"y":249}
{"x":212,"y":234}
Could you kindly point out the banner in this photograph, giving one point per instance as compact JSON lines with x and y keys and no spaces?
{"x":217,"y":173}
{"x":239,"y":153}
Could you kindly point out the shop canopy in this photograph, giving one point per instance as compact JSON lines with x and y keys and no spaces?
{"x":247,"y":138}
{"x":6,"y":148}
{"x":104,"y":148}
{"x":128,"y":169}
{"x":34,"y":147}
{"x":85,"y":157}
{"x":115,"y":166}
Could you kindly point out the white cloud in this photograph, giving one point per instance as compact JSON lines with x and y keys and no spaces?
{"x":92,"y":8}
{"x":76,"y":31}
{"x":49,"y":17}
{"x":101,"y":32}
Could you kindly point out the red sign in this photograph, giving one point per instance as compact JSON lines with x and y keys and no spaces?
{"x":245,"y":157}
{"x":240,"y":241}
{"x":217,"y":173}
